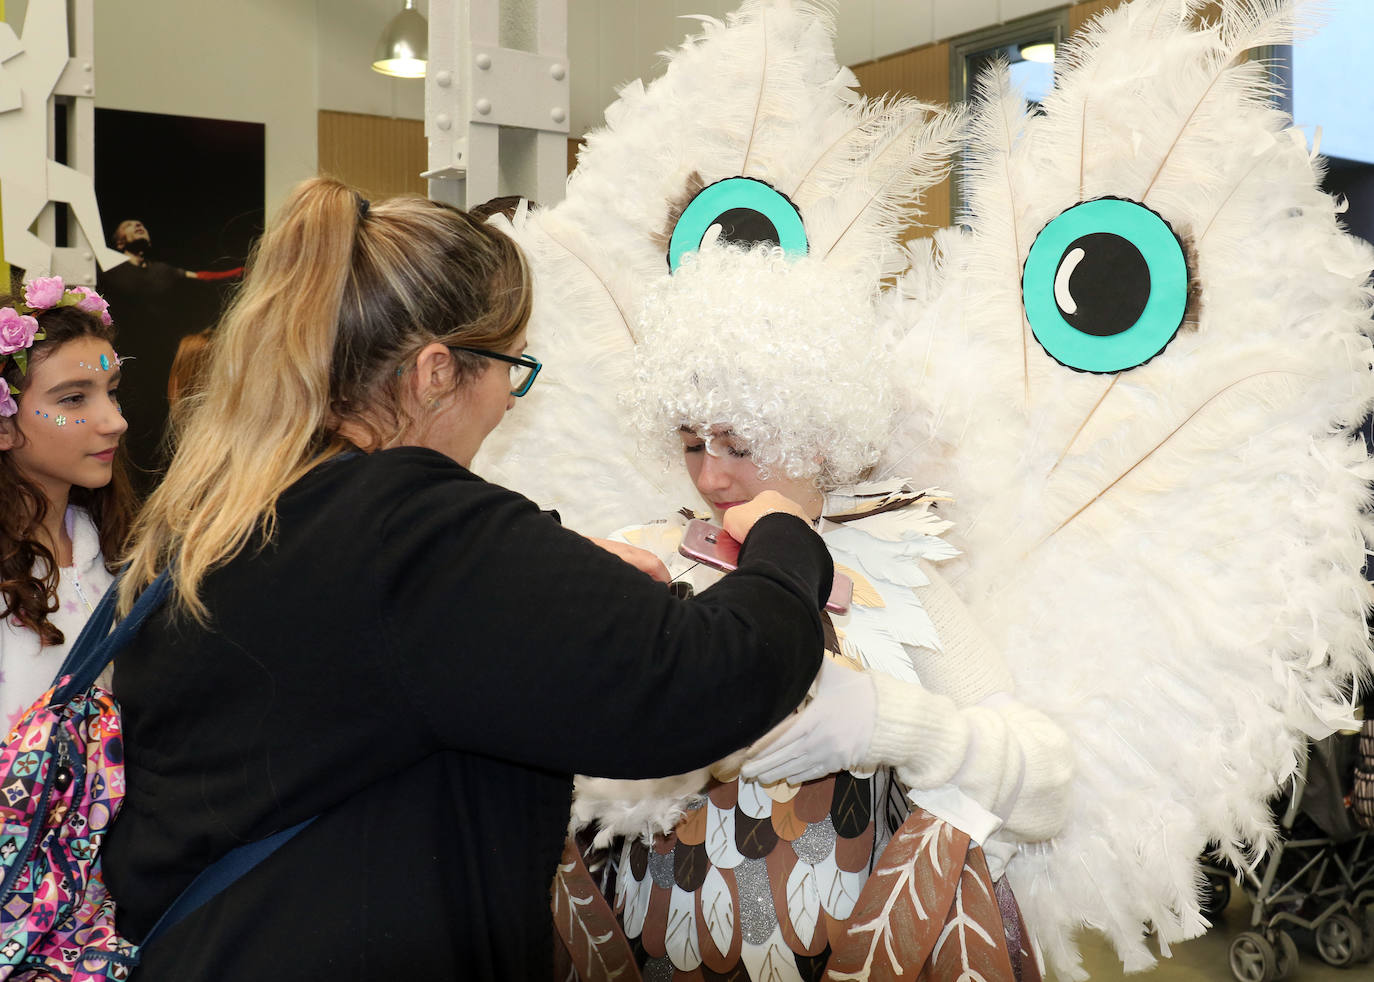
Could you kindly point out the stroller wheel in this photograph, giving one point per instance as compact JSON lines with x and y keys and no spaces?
{"x":1252,"y":958}
{"x":1285,"y":955}
{"x":1339,"y":940}
{"x":1367,"y":949}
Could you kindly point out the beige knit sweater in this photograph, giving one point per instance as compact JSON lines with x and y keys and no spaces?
{"x":962,"y":725}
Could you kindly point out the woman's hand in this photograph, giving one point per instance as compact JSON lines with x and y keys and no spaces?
{"x":738,"y":520}
{"x":832,"y":733}
{"x":641,"y":559}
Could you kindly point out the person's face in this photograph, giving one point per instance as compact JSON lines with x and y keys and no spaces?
{"x":460,"y":426}
{"x":69,"y":423}
{"x":728,"y":476}
{"x":132,"y":231}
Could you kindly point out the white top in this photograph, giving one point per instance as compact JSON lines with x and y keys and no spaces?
{"x":27,"y":668}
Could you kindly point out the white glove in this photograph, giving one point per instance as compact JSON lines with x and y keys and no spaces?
{"x":832,"y":733}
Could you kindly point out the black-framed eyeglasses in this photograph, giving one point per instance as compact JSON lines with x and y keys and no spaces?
{"x":523,"y":369}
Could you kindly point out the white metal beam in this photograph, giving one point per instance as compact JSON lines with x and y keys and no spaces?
{"x":476,"y":88}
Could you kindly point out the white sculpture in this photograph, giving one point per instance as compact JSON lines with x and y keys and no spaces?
{"x":32,"y":70}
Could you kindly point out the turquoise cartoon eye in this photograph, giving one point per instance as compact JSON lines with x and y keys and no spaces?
{"x":747,"y":211}
{"x":1105,"y":286}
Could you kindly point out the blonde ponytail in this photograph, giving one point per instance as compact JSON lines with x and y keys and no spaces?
{"x":335,"y":298}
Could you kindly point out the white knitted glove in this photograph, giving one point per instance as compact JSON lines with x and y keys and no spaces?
{"x":831,"y":734}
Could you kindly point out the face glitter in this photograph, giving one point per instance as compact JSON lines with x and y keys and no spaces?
{"x":105,"y":364}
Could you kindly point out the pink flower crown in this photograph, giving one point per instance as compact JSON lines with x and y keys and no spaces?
{"x":19,"y":328}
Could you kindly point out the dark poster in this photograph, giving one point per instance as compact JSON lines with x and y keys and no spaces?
{"x":197,"y":186}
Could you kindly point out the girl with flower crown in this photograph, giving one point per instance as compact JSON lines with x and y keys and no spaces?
{"x":67,"y":504}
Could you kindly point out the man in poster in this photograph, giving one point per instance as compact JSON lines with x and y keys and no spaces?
{"x":148,"y":302}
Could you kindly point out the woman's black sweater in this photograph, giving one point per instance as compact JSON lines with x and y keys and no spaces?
{"x":424,"y":660}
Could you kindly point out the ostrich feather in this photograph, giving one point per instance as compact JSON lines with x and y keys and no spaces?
{"x":994,"y":214}
{"x":1171,"y":557}
{"x":566,"y":444}
{"x":908,"y":150}
{"x":777,"y":97}
{"x":634,"y":809}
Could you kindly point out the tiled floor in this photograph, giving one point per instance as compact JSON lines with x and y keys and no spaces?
{"x":1205,"y":959}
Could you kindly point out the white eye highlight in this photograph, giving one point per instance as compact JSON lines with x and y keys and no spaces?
{"x":1062,"y":296}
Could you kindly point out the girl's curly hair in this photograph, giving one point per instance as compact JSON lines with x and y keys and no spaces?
{"x":788,"y":352}
{"x":28,"y":568}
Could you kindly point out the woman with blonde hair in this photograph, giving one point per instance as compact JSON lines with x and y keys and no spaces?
{"x":365,"y":631}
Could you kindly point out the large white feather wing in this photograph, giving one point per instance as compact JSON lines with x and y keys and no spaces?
{"x":567,"y":445}
{"x":1170,"y":556}
{"x":757,"y":95}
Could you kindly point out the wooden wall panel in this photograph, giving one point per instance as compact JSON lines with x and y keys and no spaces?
{"x":379,"y":155}
{"x":1081,"y":13}
{"x":921,"y":73}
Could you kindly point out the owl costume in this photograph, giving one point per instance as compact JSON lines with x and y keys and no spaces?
{"x":1136,"y":365}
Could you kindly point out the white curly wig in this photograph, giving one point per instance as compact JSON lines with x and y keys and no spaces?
{"x":785,"y":351}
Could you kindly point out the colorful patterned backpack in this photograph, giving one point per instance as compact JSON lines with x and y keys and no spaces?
{"x":61,"y":785}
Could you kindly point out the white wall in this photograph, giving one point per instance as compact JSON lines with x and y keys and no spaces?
{"x":611,"y":42}
{"x":347,"y":32}
{"x":250,"y":60}
{"x":279,"y":61}
{"x":275,"y":62}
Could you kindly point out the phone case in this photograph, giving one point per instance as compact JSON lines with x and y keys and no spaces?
{"x":712,"y":546}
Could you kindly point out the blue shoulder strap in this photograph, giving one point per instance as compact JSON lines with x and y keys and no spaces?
{"x":95,"y":647}
{"x":219,"y":875}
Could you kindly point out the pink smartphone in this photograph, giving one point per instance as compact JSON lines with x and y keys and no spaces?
{"x":712,"y":546}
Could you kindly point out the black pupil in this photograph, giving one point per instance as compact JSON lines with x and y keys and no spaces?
{"x":747,"y":226}
{"x":1110,"y":284}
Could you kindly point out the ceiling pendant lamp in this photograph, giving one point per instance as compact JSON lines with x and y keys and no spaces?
{"x":403,"y":48}
{"x":1041,"y":51}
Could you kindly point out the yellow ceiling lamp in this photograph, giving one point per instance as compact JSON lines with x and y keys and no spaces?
{"x":403,"y":48}
{"x":1041,"y":51}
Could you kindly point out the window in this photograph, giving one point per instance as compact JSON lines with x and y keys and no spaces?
{"x":1027,"y":46}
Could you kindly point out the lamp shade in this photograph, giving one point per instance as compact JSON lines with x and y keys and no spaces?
{"x":1041,"y":51}
{"x":403,"y":48}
